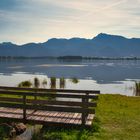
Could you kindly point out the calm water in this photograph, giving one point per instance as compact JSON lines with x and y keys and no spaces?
{"x":109,"y":76}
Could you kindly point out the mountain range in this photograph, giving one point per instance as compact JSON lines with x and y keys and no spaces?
{"x":103,"y":45}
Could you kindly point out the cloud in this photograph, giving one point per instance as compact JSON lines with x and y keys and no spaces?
{"x":39,"y":20}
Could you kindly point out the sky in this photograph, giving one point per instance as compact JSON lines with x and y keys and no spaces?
{"x":23,"y":21}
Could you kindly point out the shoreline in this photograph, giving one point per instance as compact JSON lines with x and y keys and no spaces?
{"x":74,"y":58}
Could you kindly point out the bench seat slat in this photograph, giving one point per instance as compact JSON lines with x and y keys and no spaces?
{"x":48,"y":108}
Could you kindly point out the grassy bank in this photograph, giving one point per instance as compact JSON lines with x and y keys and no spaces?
{"x":117,"y":118}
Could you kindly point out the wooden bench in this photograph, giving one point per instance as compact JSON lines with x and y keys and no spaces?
{"x":48,"y":106}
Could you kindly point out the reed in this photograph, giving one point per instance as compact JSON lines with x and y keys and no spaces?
{"x":137,"y":85}
{"x":36,"y":85}
{"x":62,"y":82}
{"x":53,"y":82}
{"x":36,"y":82}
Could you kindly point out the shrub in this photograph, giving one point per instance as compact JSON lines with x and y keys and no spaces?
{"x":74,"y":80}
{"x":25,"y":84}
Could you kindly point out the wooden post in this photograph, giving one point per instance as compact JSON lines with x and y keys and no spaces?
{"x":87,"y":100}
{"x":85,"y":106}
{"x":24,"y":108}
{"x":84,"y":113}
{"x":35,"y":99}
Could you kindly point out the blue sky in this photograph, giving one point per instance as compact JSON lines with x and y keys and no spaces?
{"x":23,"y":21}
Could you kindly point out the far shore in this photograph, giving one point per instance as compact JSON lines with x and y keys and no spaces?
{"x":61,"y":58}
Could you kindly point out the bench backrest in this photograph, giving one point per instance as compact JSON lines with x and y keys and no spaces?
{"x":75,"y":101}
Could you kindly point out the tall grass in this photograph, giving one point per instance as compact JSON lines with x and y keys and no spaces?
{"x":53,"y":82}
{"x":36,"y":85}
{"x":137,"y":85}
{"x":62,"y":82}
{"x":36,"y":82}
{"x":5,"y":129}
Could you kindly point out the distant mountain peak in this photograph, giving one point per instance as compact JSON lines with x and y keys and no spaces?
{"x":102,"y":34}
{"x":55,"y":39}
{"x":7,"y":43}
{"x":108,"y":36}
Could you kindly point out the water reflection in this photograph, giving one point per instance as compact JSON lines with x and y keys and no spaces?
{"x":103,"y":71}
{"x":109,"y":76}
{"x":121,"y":87}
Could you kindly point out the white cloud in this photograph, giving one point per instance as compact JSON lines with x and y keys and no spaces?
{"x":39,"y":20}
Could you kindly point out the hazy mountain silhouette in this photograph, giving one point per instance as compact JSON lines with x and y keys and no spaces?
{"x":103,"y":45}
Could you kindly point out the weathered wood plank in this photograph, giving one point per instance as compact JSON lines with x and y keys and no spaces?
{"x":60,"y":109}
{"x":63,"y":103}
{"x":49,"y":94}
{"x":47,"y":108}
{"x":11,"y":105}
{"x":10,"y":99}
{"x":89,"y":119}
{"x":71,"y":118}
{"x":51,"y":90}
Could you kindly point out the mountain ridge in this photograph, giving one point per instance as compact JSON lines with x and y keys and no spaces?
{"x":102,"y":45}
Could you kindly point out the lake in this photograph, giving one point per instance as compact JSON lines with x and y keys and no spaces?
{"x":108,"y":76}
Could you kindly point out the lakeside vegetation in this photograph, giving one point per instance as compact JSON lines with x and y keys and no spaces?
{"x":137,"y":84}
{"x":62,"y":82}
{"x":37,"y":83}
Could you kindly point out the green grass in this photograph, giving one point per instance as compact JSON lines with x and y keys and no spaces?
{"x":117,"y":118}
